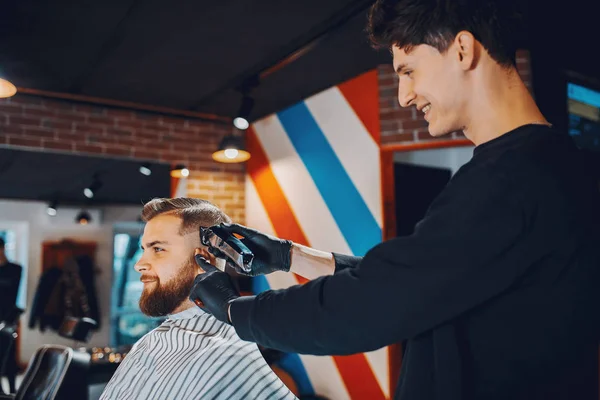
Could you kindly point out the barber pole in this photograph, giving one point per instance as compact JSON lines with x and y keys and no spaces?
{"x":314,"y":178}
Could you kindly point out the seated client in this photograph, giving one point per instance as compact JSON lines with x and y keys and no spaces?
{"x":191,"y":355}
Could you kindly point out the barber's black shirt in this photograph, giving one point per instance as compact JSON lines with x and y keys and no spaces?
{"x":496,"y":291}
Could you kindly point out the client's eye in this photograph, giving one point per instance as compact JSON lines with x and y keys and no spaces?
{"x":157,"y":249}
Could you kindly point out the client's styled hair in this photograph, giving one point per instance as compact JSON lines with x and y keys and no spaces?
{"x":193,"y":212}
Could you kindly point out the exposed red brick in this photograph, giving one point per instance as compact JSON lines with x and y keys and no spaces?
{"x":58,"y":145}
{"x":118,"y":150}
{"x":38,"y":112}
{"x":69,"y":116}
{"x":39,"y":132}
{"x":90,"y":109}
{"x":89,"y":148}
{"x":101,"y":120}
{"x":25,"y":141}
{"x":125,"y":141}
{"x":57,"y":105}
{"x":146,"y":154}
{"x":89,"y":129}
{"x":57,"y":124}
{"x":120,"y":114}
{"x":14,"y":130}
{"x":143,"y":134}
{"x":119,"y":132}
{"x":11,"y":108}
{"x":173,"y":121}
{"x":24,"y":121}
{"x":398,"y":137}
{"x":129,"y":124}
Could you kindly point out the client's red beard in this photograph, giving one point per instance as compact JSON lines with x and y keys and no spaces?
{"x":166,"y":297}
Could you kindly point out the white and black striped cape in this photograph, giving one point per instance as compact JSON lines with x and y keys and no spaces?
{"x":192,"y":355}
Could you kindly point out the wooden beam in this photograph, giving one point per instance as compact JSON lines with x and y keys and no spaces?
{"x":124,"y":104}
{"x":437,"y":144}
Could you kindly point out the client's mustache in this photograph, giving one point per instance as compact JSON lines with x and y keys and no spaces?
{"x":148,"y":278}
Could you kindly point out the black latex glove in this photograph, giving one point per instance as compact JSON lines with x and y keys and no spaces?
{"x":270,"y":253}
{"x":213,"y":290}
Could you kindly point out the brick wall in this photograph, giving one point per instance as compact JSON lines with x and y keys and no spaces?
{"x":56,"y":125}
{"x":404,"y":125}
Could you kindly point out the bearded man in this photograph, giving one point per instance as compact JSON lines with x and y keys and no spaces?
{"x":191,"y":355}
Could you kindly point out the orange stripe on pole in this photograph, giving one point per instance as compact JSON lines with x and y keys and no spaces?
{"x":362,"y":93}
{"x":359,"y":379}
{"x":174,"y":184}
{"x":280,"y":213}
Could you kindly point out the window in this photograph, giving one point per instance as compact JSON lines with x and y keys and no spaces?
{"x":128,"y":323}
{"x":584,"y":116}
{"x":15,"y":238}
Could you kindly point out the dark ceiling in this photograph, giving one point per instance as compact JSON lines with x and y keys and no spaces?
{"x":189,"y":55}
{"x":192,"y":55}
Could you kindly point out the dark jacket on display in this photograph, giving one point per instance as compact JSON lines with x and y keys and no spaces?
{"x":65,"y":291}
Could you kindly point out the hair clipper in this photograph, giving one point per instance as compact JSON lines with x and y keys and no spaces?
{"x":228,"y":247}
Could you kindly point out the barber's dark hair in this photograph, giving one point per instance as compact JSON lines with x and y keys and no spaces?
{"x":2,"y":243}
{"x":498,"y":25}
{"x":194,"y":213}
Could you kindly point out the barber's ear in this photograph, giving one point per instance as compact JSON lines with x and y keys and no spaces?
{"x":466,"y":49}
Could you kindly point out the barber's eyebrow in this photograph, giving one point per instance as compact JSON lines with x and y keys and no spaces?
{"x":154,"y":243}
{"x":399,"y":68}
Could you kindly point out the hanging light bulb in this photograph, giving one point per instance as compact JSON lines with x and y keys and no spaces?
{"x":7,"y":89}
{"x":51,"y":210}
{"x":145,"y":169}
{"x":241,"y":120}
{"x":83,"y":218}
{"x":92,"y":189}
{"x":180,"y":171}
{"x":231,"y":150}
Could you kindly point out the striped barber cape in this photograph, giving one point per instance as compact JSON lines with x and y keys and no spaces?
{"x":192,"y":355}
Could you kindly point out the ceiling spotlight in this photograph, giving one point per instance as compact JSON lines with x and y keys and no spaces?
{"x":91,"y":190}
{"x":241,"y":120}
{"x":231,"y":150}
{"x":145,"y":169}
{"x":51,"y":210}
{"x":7,"y":89}
{"x":83,"y":218}
{"x":180,"y":171}
{"x":241,"y":123}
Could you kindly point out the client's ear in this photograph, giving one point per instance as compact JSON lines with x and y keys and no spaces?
{"x":203,"y":251}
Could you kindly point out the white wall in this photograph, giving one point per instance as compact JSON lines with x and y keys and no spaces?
{"x":452,"y":158}
{"x":37,"y":226}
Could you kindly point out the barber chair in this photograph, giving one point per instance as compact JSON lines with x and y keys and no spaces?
{"x":54,"y":373}
{"x":78,"y":329}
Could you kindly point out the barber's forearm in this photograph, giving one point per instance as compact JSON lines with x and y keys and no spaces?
{"x":310,"y":263}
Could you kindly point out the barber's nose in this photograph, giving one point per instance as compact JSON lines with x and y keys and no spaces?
{"x":406,"y":94}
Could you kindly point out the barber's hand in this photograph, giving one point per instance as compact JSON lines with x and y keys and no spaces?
{"x":213,"y":290}
{"x":270,"y":253}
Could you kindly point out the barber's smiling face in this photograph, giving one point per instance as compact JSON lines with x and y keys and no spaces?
{"x":434,"y":84}
{"x":167,"y":265}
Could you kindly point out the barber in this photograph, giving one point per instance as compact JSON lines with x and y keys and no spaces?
{"x":497,"y":290}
